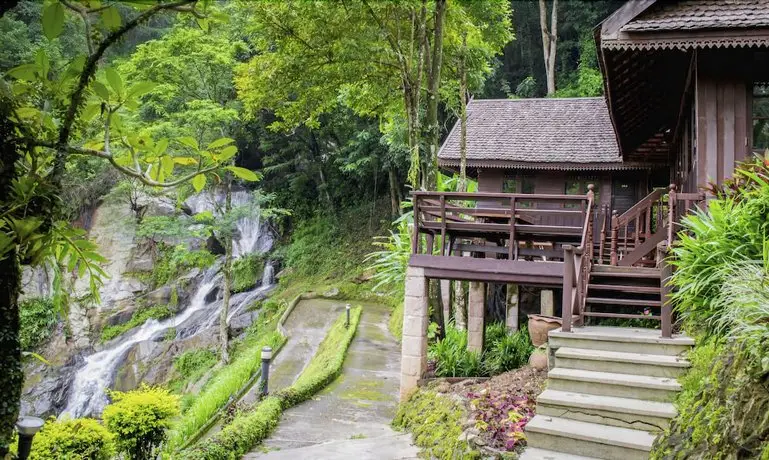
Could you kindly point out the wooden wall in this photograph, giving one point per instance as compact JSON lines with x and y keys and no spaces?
{"x":722,"y":104}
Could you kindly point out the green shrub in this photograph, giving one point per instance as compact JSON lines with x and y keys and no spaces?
{"x":730,"y":232}
{"x":508,"y":352}
{"x":139,"y":317}
{"x":37,"y":319}
{"x":436,"y":423}
{"x":139,"y":420}
{"x":452,"y":357}
{"x":246,"y":271}
{"x":249,"y":428}
{"x":73,"y":439}
{"x":502,"y":352}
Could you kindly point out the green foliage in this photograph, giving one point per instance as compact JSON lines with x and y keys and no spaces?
{"x":228,"y":381}
{"x":502,"y":352}
{"x":436,"y":423}
{"x":173,"y":262}
{"x":452,"y":357}
{"x":139,"y":420}
{"x":37,"y":318}
{"x":246,"y":271}
{"x":139,"y":317}
{"x":194,"y":362}
{"x":507,"y":351}
{"x":390,"y":262}
{"x":249,"y":428}
{"x":73,"y":439}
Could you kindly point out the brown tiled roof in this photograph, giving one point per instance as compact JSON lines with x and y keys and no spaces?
{"x":701,"y":14}
{"x":574,"y":132}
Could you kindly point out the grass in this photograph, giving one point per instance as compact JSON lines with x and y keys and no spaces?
{"x":250,"y":427}
{"x":139,"y":317}
{"x":191,"y":366}
{"x":228,"y":381}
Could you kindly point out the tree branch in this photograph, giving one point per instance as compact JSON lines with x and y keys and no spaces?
{"x":143,"y":177}
{"x":89,"y":70}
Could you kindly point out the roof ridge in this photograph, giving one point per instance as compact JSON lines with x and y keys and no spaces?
{"x":538,"y":99}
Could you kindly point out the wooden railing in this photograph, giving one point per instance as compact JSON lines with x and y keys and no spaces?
{"x":577,"y":263}
{"x":515,"y":225}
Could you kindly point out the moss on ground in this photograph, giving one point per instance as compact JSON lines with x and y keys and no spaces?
{"x":366,"y":390}
{"x":436,"y":423}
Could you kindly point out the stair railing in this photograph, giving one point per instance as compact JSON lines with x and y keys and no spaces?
{"x":577,"y":263}
{"x":637,"y":224}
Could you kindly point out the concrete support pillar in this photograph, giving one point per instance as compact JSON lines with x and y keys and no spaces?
{"x":511,"y":318}
{"x":547,"y":303}
{"x":476,"y":303}
{"x":415,"y":320}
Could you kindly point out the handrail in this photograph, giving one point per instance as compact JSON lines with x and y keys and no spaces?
{"x":472,"y":196}
{"x":575,"y":280}
{"x":641,"y":206}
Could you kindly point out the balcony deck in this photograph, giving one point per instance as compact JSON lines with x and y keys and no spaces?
{"x":497,"y":237}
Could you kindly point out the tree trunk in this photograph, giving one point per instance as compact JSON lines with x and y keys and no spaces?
{"x":460,"y":306}
{"x":549,"y":41}
{"x":395,"y":204}
{"x":11,"y":376}
{"x":224,"y":332}
{"x":412,"y":85}
{"x":433,"y":85}
{"x":462,"y":186}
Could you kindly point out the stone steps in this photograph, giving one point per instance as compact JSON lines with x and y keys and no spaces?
{"x":621,"y":362}
{"x":623,"y":339}
{"x":609,"y":393}
{"x":533,"y":453}
{"x":609,"y":410}
{"x":584,"y":438}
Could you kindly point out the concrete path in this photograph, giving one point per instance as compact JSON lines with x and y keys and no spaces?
{"x":306,"y":327}
{"x":350,"y":419}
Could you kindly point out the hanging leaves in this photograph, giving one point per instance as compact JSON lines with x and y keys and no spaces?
{"x":53,"y":20}
{"x":243,"y":173}
{"x":110,"y":17}
{"x":198,"y":182}
{"x":114,"y":80}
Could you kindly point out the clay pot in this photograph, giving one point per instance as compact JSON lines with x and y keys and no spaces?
{"x":539,"y":326}
{"x":538,"y":359}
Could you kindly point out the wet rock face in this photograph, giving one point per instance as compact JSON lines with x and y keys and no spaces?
{"x":46,"y":387}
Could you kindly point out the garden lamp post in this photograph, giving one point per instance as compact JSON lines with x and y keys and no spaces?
{"x":266,"y":357}
{"x":347,"y":322}
{"x":27,"y":427}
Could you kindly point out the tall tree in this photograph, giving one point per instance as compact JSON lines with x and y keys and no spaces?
{"x":549,"y":41}
{"x":50,"y":116}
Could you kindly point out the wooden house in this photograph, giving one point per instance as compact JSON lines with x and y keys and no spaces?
{"x":571,"y":199}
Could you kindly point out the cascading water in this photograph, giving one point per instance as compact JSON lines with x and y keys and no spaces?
{"x":87,"y":394}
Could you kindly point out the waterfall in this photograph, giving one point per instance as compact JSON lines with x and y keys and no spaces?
{"x":87,"y":395}
{"x":88,"y":392}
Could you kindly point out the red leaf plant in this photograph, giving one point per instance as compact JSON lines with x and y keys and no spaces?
{"x":501,"y":416}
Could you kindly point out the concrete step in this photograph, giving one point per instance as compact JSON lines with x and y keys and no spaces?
{"x":533,"y":453}
{"x":662,"y":389}
{"x":623,"y":339}
{"x":621,"y":362}
{"x":583,"y":438}
{"x":630,"y":413}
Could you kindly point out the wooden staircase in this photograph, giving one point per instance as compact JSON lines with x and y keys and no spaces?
{"x":609,"y":393}
{"x":634,"y":291}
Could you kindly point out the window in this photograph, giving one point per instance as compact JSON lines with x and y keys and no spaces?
{"x":760,"y":117}
{"x":578,"y":186}
{"x":519,"y":184}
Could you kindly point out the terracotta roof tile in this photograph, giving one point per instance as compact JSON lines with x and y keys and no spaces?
{"x":701,"y":14}
{"x":573,"y":131}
